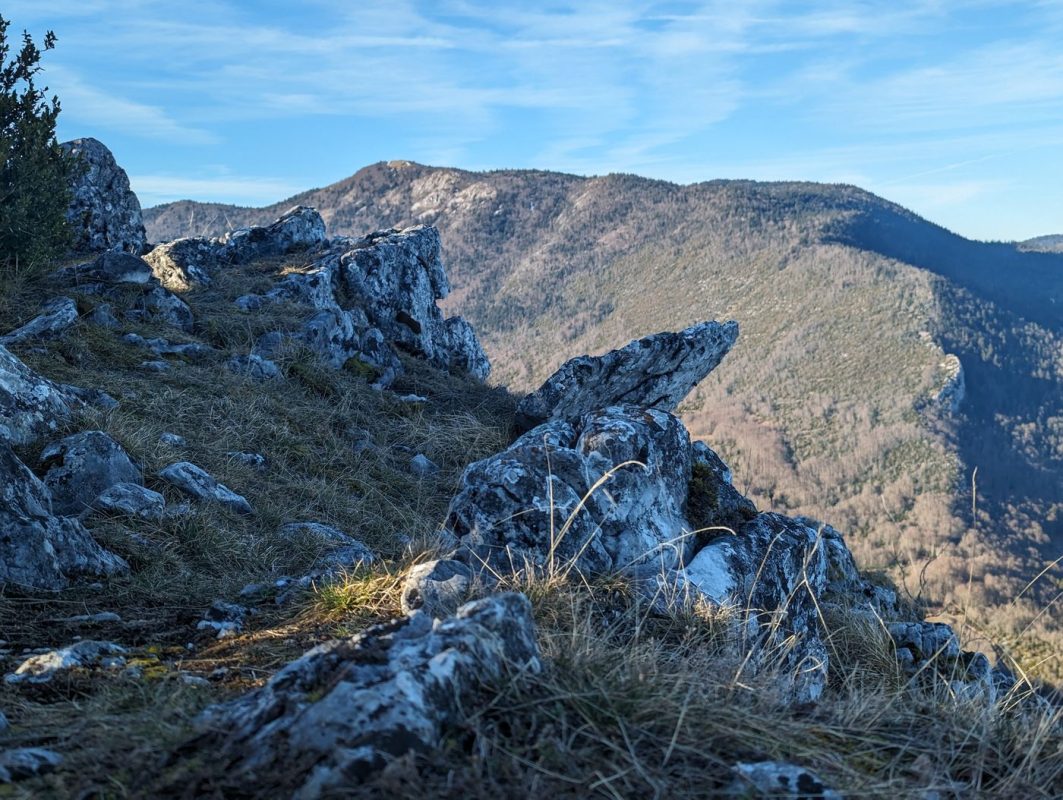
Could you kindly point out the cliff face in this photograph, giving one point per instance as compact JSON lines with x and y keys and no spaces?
{"x":262,"y":513}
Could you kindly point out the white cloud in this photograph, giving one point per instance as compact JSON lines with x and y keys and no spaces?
{"x":247,"y":191}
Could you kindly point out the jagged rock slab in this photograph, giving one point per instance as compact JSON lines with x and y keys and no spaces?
{"x":104,"y":214}
{"x":198,"y":483}
{"x":656,"y":371}
{"x":56,"y":317}
{"x":86,"y":654}
{"x":29,"y":404}
{"x":345,"y":708}
{"x":397,"y":277}
{"x":183,"y":264}
{"x":82,"y":466}
{"x":537,"y":504}
{"x":774,"y":569}
{"x":299,"y":228}
{"x":37,"y":548}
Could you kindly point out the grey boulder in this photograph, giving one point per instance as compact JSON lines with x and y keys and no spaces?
{"x":656,"y":371}
{"x":198,"y":483}
{"x":132,"y":500}
{"x":437,"y":588}
{"x":104,"y":213}
{"x":37,"y":548}
{"x":29,"y":404}
{"x":55,"y":318}
{"x":340,"y":549}
{"x":347,"y":707}
{"x":184,"y":264}
{"x":779,"y":780}
{"x":80,"y":467}
{"x":605,"y":494}
{"x":110,"y":267}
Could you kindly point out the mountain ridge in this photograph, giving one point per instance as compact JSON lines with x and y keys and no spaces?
{"x":852,"y":309}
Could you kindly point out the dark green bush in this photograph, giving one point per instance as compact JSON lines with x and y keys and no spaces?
{"x":35,"y":172}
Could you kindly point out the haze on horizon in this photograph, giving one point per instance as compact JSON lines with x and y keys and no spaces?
{"x":952,"y":108}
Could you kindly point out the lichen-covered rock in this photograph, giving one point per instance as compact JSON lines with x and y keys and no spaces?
{"x":198,"y":483}
{"x":37,"y":548}
{"x":56,"y":317}
{"x":397,"y":277}
{"x":437,"y":588}
{"x":299,"y":228}
{"x":86,"y":654}
{"x":340,"y":335}
{"x":109,"y":267}
{"x":29,"y":404}
{"x":606,"y":494}
{"x":162,"y":306}
{"x":82,"y":466}
{"x":345,"y":708}
{"x":656,"y":371}
{"x":183,"y":264}
{"x":774,"y":569}
{"x":131,"y":500}
{"x":104,"y":214}
{"x":777,"y":779}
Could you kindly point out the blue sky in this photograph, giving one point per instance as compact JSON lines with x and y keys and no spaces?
{"x":951,"y":108}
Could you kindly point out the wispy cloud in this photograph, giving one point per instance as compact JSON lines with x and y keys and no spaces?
{"x":248,"y":191}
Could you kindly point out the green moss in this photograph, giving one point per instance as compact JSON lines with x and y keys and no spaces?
{"x":702,"y":496}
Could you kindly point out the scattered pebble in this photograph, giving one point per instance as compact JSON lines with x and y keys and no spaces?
{"x":422,"y":466}
{"x":173,"y":439}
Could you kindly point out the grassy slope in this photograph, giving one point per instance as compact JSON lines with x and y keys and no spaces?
{"x":847,"y":305}
{"x":629,"y":705}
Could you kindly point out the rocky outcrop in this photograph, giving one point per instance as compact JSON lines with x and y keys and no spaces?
{"x":299,"y":228}
{"x":37,"y":548}
{"x":397,"y":277}
{"x":30,"y":405}
{"x":346,"y":708}
{"x":104,"y":213}
{"x":81,"y":467}
{"x":656,"y":371}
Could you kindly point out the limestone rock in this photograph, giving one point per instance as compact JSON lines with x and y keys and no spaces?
{"x":132,"y":500}
{"x":80,"y":655}
{"x":110,"y":267}
{"x":656,"y":371}
{"x":347,"y":707}
{"x":55,"y":318}
{"x":82,"y":466}
{"x":29,"y":404}
{"x":779,"y":780}
{"x":397,"y":277}
{"x":183,"y":264}
{"x":437,"y":588}
{"x":27,"y":762}
{"x":104,"y":213}
{"x":196,"y":482}
{"x":774,"y":569}
{"x":339,"y":335}
{"x":160,"y":305}
{"x":37,"y":548}
{"x":422,"y":466}
{"x":606,"y":494}
{"x":225,"y":619}
{"x":299,"y":228}
{"x":254,"y":367}
{"x":343,"y":550}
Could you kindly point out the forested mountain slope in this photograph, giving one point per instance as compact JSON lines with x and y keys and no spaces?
{"x":843,"y":398}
